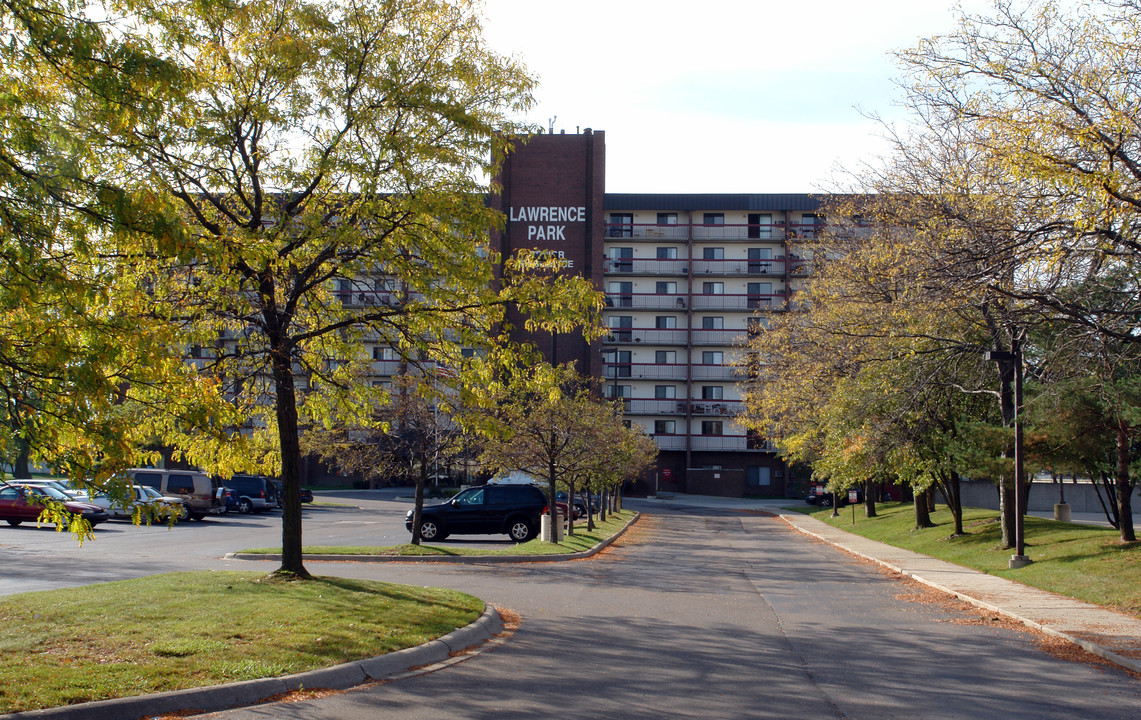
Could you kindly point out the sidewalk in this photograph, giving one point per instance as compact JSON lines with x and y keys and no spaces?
{"x":1105,"y":633}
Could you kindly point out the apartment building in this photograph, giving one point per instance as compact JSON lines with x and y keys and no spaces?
{"x":686,"y":277}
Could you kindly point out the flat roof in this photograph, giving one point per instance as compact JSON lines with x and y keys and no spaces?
{"x":758,"y":202}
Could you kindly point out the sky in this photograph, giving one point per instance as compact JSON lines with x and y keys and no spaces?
{"x":716,"y":95}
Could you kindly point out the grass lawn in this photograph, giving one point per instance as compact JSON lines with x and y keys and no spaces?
{"x":581,"y":540}
{"x":1083,"y":561}
{"x":181,"y":630}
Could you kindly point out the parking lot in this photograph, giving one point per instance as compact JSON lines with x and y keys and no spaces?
{"x":42,"y":559}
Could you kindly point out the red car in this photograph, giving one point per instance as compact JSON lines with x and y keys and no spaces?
{"x":22,"y":503}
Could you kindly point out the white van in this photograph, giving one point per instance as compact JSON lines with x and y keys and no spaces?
{"x":515,"y":478}
{"x":197,"y":490}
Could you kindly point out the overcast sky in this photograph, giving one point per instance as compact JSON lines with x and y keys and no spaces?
{"x":716,"y":95}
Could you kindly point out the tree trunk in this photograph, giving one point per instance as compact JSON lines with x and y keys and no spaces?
{"x":22,"y":467}
{"x":1124,"y":485}
{"x":1006,"y":504}
{"x":589,"y":510}
{"x":570,"y":507}
{"x":922,"y":514}
{"x":287,"y":434}
{"x":418,"y":504}
{"x":603,"y":499}
{"x":929,"y":493}
{"x":1006,"y":508}
{"x":950,"y":487}
{"x":869,"y":499}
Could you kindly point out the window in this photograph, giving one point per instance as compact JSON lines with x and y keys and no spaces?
{"x":665,"y":427}
{"x":180,"y":484}
{"x":713,"y":219}
{"x":667,"y":253}
{"x":665,"y":357}
{"x":712,"y":323}
{"x":621,"y":259}
{"x":665,"y":322}
{"x":382,"y":384}
{"x":760,"y":294}
{"x":665,"y":392}
{"x":760,"y":260}
{"x":667,"y":218}
{"x":713,"y":253}
{"x":757,"y":476}
{"x":712,"y":357}
{"x":667,"y":288}
{"x":760,"y":225}
{"x":757,"y":324}
{"x":711,"y":427}
{"x":383,"y":353}
{"x":623,"y":391}
{"x":345,"y":291}
{"x":621,"y":294}
{"x":620,"y":327}
{"x":620,"y":225}
{"x":620,"y":359}
{"x":713,"y":288}
{"x":713,"y":392}
{"x":808,"y":223}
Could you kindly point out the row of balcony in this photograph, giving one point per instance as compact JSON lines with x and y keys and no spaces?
{"x":730,"y":267}
{"x":702,"y":301}
{"x":722,"y":443}
{"x":766,"y":232}
{"x":654,"y":336}
{"x":669,"y":371}
{"x":674,"y":407}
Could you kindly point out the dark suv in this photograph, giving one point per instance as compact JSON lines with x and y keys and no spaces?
{"x":511,"y":509}
{"x":254,"y":492}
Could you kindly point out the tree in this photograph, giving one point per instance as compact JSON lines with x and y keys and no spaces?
{"x":549,"y":423}
{"x":413,"y":435}
{"x":69,"y":345}
{"x":321,"y":165}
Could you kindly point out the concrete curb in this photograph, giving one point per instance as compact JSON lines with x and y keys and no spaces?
{"x":252,"y":692}
{"x":1088,"y":646}
{"x":460,"y":559}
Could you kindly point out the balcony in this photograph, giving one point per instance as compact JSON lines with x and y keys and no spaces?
{"x":674,"y":337}
{"x":644,"y":371}
{"x":715,"y":372}
{"x":646,"y":301}
{"x":739,"y":266}
{"x":645,"y":266}
{"x":775,"y":232}
{"x":708,"y":443}
{"x":743,"y":302}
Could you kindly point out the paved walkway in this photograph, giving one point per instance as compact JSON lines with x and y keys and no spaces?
{"x":1105,"y":633}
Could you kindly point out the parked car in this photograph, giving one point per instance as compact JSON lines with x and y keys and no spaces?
{"x":25,"y":503}
{"x":196,"y":489}
{"x":256,"y":493}
{"x":306,"y":493}
{"x":486,"y":510}
{"x":144,"y":497}
{"x":817,"y":495}
{"x":579,"y":505}
{"x":60,"y":485}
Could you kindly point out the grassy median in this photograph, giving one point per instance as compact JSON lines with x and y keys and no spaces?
{"x":1082,"y":561}
{"x":580,"y":541}
{"x":181,"y":630}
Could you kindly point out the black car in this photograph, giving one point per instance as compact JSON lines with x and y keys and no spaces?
{"x":487,"y":510}
{"x":255,"y":492}
{"x":306,"y":493}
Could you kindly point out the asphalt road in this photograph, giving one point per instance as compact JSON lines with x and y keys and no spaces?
{"x":706,"y":613}
{"x":716,"y":614}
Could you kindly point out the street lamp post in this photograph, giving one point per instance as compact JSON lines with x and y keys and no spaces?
{"x":1005,"y":359}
